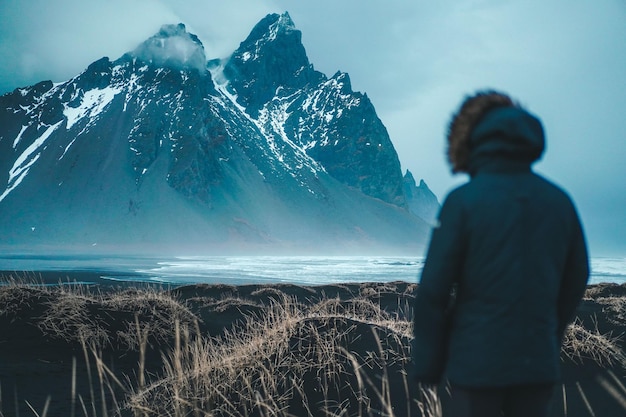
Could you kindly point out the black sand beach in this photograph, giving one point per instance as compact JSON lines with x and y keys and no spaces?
{"x":112,"y":348}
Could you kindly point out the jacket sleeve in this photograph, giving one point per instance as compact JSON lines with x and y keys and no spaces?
{"x":443,"y":265}
{"x":574,"y":279}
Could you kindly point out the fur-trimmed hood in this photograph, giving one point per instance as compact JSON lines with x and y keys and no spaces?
{"x":489,"y":126}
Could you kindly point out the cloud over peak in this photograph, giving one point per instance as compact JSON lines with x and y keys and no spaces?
{"x":173,"y":47}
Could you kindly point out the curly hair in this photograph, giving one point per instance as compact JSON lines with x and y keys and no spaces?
{"x":472,"y":109}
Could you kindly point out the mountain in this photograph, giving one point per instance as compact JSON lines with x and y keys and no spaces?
{"x":162,"y":150}
{"x":421,"y":200}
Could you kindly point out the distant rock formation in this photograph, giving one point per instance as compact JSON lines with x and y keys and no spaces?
{"x":422,"y":202}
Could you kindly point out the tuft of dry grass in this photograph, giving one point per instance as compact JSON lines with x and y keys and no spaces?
{"x":154,"y":311}
{"x":291,"y":360}
{"x":79,"y":315}
{"x":17,"y":296}
{"x":582,"y":344}
{"x":69,"y":316}
{"x":616,"y":306}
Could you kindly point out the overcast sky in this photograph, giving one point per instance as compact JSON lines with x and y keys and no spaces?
{"x":565,"y":60}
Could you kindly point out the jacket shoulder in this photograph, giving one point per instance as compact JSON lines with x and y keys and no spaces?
{"x":555,"y":190}
{"x":455,"y":200}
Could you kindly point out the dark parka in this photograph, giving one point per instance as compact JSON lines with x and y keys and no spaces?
{"x":510,"y":246}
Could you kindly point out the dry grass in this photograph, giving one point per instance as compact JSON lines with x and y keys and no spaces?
{"x":582,"y":344}
{"x":77,"y":314}
{"x":69,"y":317}
{"x":331,"y":357}
{"x":154,"y":311}
{"x":616,"y":306}
{"x":291,"y":360}
{"x":16,"y":296}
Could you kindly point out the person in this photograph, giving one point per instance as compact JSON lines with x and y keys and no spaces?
{"x":506,"y":267}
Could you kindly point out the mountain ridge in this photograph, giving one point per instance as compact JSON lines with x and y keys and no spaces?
{"x":107,"y":156}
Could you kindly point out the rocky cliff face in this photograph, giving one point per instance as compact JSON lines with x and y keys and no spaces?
{"x":159,"y":150}
{"x":273,"y":80}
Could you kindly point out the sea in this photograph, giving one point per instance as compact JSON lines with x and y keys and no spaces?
{"x":241,"y":270}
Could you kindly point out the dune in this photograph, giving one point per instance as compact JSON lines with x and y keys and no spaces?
{"x":254,"y":350}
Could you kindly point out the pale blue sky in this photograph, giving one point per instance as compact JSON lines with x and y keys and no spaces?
{"x":564,"y":59}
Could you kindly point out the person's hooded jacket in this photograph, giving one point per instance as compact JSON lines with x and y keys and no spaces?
{"x":507,"y":263}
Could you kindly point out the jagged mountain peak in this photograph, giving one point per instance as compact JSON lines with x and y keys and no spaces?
{"x":342,"y":79}
{"x":272,"y":56}
{"x":272,"y":35}
{"x":410,"y":180}
{"x":173,"y":47}
{"x":271,"y":27}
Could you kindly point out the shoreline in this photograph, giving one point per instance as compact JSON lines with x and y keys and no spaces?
{"x":79,"y":277}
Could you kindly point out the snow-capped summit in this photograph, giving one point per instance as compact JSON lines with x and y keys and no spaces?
{"x":173,"y":47}
{"x":269,"y":29}
{"x":153,"y":151}
{"x":272,"y":56}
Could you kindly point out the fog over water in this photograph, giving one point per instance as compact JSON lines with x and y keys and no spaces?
{"x":241,"y":270}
